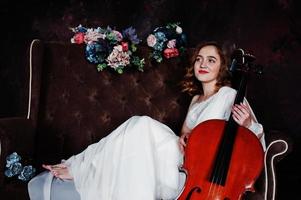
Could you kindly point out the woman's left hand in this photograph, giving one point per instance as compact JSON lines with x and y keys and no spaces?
{"x":242,"y":115}
{"x":59,"y":171}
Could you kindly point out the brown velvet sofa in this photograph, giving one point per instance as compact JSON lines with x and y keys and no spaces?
{"x":70,"y":105}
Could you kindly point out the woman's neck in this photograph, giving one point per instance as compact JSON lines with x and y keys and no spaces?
{"x":209,"y":89}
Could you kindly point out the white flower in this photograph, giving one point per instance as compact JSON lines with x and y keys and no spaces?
{"x":151,"y":40}
{"x":92,"y":35}
{"x":179,"y":30}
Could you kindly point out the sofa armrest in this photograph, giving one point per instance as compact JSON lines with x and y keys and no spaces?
{"x":278,"y":146}
{"x":16,"y":135}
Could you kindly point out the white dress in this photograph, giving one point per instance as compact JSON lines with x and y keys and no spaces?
{"x":139,"y":159}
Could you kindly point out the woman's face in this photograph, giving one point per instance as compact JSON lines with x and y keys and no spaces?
{"x":207,"y":64}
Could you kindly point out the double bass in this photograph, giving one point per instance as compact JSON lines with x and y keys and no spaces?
{"x":222,"y":159}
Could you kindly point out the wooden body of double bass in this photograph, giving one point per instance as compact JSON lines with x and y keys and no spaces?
{"x":245,"y":164}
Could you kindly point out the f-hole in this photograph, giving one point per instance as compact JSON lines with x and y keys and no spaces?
{"x":196,"y":189}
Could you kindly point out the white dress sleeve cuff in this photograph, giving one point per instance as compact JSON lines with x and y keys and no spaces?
{"x":256,"y":128}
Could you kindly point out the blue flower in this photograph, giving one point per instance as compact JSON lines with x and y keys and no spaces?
{"x":130,"y":33}
{"x":13,"y":170}
{"x":27,"y":173}
{"x":160,"y":36}
{"x":12,"y":158}
{"x":159,"y":46}
{"x":80,"y":28}
{"x":161,"y":39}
{"x":96,"y":52}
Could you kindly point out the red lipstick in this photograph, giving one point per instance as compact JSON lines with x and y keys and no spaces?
{"x":203,"y":71}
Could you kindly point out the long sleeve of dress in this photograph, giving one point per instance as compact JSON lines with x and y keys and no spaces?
{"x":256,"y":127}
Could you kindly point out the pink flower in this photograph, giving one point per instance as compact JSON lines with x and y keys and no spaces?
{"x":151,"y":40}
{"x":171,"y":52}
{"x":78,"y":38}
{"x":118,"y":58}
{"x":171,"y":43}
{"x":118,"y":35}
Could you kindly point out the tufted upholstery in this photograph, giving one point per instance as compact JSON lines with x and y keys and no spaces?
{"x":71,"y":105}
{"x":79,"y":106}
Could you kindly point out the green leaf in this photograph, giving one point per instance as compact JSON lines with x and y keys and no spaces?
{"x":159,"y":60}
{"x":182,"y":49}
{"x":101,"y":66}
{"x":133,"y":47}
{"x":138,"y":62}
{"x":172,"y":25}
{"x":119,"y":70}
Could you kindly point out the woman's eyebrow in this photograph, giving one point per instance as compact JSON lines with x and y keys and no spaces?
{"x":212,"y":57}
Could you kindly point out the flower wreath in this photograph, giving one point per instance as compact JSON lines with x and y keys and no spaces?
{"x":168,"y":41}
{"x":108,"y":47}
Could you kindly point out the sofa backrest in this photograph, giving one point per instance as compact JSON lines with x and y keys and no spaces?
{"x":78,"y":106}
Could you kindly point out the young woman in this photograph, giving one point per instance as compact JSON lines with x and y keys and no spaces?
{"x":140,"y":159}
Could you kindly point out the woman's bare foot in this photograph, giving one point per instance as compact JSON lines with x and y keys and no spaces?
{"x":59,"y":171}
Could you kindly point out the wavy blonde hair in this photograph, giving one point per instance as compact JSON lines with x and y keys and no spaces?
{"x":192,"y":85}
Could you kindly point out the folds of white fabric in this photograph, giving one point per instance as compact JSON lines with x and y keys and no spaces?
{"x":138,"y":160}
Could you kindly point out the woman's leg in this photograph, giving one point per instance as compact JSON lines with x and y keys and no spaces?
{"x":36,"y":186}
{"x":60,"y":189}
{"x":63,"y":190}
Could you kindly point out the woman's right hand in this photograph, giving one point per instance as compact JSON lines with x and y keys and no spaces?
{"x":183,"y":141}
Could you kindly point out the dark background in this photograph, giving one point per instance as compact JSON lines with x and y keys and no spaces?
{"x":270,"y":30}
